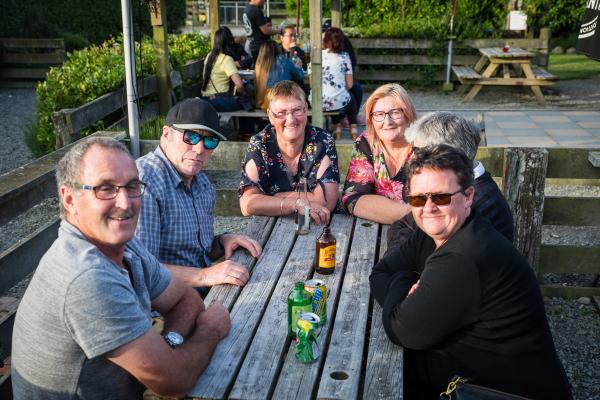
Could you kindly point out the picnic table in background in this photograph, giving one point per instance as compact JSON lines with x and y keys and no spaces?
{"x":508,"y":66}
{"x":257,"y":359}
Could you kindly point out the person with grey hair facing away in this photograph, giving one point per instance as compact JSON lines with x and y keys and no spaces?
{"x":84,"y":327}
{"x":453,"y":130}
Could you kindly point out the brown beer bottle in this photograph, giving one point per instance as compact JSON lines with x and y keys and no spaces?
{"x":325,"y":252}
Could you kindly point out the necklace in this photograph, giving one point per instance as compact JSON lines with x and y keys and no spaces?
{"x":395,"y":164}
{"x":291,"y":163}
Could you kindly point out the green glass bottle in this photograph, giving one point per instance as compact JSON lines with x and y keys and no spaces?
{"x":299,"y":301}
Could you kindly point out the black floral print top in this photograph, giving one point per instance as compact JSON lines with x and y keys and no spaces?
{"x":272,"y":173}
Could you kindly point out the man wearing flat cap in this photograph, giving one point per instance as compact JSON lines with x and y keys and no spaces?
{"x":176,"y":220}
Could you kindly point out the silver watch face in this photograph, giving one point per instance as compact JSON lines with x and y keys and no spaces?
{"x":174,"y":339}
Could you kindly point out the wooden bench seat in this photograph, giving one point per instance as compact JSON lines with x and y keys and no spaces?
{"x":594,"y":158}
{"x":542,"y":74}
{"x":465,"y":74}
{"x":225,"y":116}
{"x":259,"y":113}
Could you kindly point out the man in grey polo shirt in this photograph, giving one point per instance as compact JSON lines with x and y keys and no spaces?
{"x":84,"y":328}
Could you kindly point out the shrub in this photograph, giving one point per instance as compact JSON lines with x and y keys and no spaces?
{"x":93,"y":20}
{"x":92,"y":72}
{"x":562,"y":16}
{"x":420,"y":19}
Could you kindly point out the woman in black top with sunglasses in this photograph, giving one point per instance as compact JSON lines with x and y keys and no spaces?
{"x":459,"y":297}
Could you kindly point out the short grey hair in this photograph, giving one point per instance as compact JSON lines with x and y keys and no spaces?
{"x":68,"y":169}
{"x":445,"y":128}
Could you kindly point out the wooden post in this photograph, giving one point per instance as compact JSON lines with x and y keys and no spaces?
{"x":523,"y":185}
{"x":479,"y":119}
{"x":213,"y":18}
{"x":63,"y":128}
{"x":316,"y":83}
{"x":544,"y":59}
{"x":336,"y":13}
{"x":160,"y":42}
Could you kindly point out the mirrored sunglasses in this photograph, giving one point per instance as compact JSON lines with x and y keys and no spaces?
{"x":439,"y":199}
{"x":193,"y":138}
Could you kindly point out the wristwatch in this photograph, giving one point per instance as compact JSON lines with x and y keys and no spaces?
{"x":173,"y":339}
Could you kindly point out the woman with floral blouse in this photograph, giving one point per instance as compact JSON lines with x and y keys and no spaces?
{"x":376,"y":179}
{"x":285,"y":151}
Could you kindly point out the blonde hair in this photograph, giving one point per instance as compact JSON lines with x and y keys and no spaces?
{"x":284,"y":89}
{"x":264,"y":62}
{"x":393,"y":90}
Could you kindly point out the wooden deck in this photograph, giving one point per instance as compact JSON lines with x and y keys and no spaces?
{"x":257,"y":359}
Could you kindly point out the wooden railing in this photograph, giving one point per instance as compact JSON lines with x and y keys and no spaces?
{"x":68,"y":123}
{"x":24,"y":62}
{"x":397,"y":60}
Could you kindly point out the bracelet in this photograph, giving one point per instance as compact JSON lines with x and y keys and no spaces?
{"x":281,"y":207}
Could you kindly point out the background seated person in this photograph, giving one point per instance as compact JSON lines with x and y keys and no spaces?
{"x":459,"y":297}
{"x":282,"y":153}
{"x":453,"y":130}
{"x":272,"y":67}
{"x":376,"y":177}
{"x":241,"y":58}
{"x":221,"y":73}
{"x":289,"y":45}
{"x":337,"y":80}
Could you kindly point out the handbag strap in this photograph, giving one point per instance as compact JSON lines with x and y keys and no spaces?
{"x":452,"y":385}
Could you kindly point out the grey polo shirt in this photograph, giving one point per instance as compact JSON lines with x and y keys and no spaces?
{"x":79,"y":306}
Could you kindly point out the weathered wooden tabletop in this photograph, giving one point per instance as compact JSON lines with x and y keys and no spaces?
{"x":513,"y":52}
{"x":257,"y":360}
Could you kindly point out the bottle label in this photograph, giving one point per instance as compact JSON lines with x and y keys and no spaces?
{"x":327,"y":256}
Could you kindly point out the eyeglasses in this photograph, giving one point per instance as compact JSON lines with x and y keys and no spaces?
{"x":395,"y":114}
{"x":291,"y":35}
{"x":296,"y":112}
{"x":193,"y":138}
{"x":439,"y":199}
{"x":107,"y":191}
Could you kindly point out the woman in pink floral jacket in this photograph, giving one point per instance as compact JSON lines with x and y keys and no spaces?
{"x":376,"y":180}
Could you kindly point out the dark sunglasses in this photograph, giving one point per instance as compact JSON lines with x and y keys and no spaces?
{"x":439,"y":199}
{"x":193,"y":138}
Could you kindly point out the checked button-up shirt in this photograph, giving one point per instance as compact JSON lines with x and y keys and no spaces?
{"x":176,"y":223}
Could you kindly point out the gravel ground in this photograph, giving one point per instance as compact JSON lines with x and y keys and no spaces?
{"x":575,"y":324}
{"x":17,"y":109}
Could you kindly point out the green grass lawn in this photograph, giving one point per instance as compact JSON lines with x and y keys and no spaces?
{"x":573,"y":66}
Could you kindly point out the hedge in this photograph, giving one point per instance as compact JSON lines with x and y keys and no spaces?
{"x":92,"y":72}
{"x":79,"y":22}
{"x":417,"y":19}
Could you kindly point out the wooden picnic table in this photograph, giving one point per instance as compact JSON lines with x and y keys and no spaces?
{"x":505,"y":68}
{"x":257,"y":359}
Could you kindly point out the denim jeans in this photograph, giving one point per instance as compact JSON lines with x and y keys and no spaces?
{"x":224,"y":103}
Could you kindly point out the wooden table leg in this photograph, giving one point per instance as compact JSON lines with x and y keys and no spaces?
{"x":463,"y":88}
{"x":489,"y":71}
{"x":480,"y":64}
{"x":534,"y":88}
{"x":506,"y":71}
